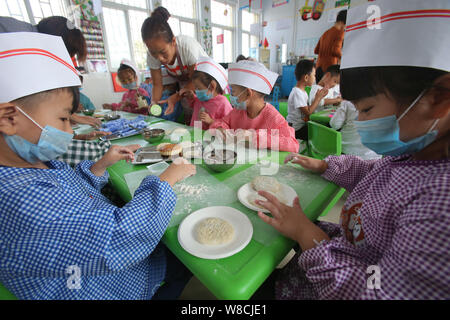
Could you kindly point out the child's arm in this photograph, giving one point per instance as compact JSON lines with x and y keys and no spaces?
{"x":339,"y":118}
{"x":346,"y":171}
{"x":332,"y":101}
{"x":309,"y":110}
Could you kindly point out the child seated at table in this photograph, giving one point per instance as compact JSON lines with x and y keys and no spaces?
{"x":299,"y":109}
{"x":208,"y":103}
{"x":392,"y":239}
{"x":73,"y":243}
{"x":258,"y":120}
{"x":127,"y":74}
{"x":344,"y":120}
{"x":147,"y":84}
{"x":330,"y":80}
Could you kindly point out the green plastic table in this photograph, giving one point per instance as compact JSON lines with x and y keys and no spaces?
{"x":240,"y":275}
{"x":323,"y":117}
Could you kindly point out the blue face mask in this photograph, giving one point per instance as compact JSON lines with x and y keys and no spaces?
{"x":382,"y":135}
{"x":203,"y":95}
{"x":52,"y":144}
{"x":238,"y":105}
{"x":130,"y":86}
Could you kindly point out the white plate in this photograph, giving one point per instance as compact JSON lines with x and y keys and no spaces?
{"x":246,"y":190}
{"x":243,"y":231}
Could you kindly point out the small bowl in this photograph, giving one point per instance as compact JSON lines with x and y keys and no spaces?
{"x":153,"y":135}
{"x":220,"y":160}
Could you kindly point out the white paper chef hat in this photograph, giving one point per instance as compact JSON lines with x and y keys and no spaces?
{"x":129,"y":63}
{"x":166,"y":78}
{"x":215,"y":70}
{"x":252,"y":75}
{"x":405,"y":33}
{"x":33,"y":62}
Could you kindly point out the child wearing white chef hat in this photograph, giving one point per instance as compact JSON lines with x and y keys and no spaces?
{"x":210,"y":80}
{"x":392,"y":242}
{"x":67,"y":227}
{"x":128,"y":77}
{"x":250,"y":81}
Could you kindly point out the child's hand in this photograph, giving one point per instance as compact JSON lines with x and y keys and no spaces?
{"x":7,"y":110}
{"x":107,"y":106}
{"x":92,"y":135}
{"x":314,"y":165}
{"x":178,"y":171}
{"x":114,"y":154}
{"x":186,"y":93}
{"x":289,"y":221}
{"x":322,"y":93}
{"x":204,"y":117}
{"x":93,"y":122}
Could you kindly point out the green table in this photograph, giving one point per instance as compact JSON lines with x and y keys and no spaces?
{"x":323,"y":117}
{"x":238,"y":276}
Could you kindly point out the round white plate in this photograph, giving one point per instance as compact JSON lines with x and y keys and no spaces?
{"x":243,"y":231}
{"x":246,"y":190}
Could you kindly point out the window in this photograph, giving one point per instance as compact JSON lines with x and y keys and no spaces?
{"x":182,"y":17}
{"x":33,"y":11}
{"x":122,"y":21}
{"x":250,"y":41}
{"x":222,"y":21}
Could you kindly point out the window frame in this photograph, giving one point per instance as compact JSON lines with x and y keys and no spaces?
{"x":258,"y":13}
{"x":228,"y":28}
{"x":194,"y":21}
{"x":125,"y":8}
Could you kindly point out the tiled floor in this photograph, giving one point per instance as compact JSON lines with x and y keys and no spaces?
{"x":195,"y":290}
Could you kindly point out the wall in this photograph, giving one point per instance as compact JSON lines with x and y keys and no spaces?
{"x":285,"y":25}
{"x":99,"y":88}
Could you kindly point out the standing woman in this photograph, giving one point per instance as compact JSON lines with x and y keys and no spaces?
{"x":178,"y":55}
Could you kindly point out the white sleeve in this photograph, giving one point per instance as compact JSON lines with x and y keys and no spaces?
{"x":152,"y":62}
{"x":300,"y":99}
{"x":190,"y":50}
{"x":339,"y":118}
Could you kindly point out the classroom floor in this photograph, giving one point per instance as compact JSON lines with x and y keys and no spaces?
{"x":195,"y":290}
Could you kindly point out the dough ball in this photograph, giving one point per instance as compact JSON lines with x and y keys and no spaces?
{"x":266,"y":183}
{"x":214,"y":231}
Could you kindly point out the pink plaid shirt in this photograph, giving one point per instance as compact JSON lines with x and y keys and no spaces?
{"x":397,"y":218}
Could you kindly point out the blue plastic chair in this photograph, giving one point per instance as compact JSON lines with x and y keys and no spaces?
{"x":275,"y":97}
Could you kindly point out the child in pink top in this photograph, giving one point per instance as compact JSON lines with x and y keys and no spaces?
{"x":208,"y":102}
{"x":250,"y":81}
{"x":127,"y":75}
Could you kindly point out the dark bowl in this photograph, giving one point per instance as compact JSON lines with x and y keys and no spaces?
{"x":153,"y":135}
{"x":88,"y":112}
{"x":220,"y":160}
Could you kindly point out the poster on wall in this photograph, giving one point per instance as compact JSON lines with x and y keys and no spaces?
{"x":277,"y":3}
{"x":313,"y":12}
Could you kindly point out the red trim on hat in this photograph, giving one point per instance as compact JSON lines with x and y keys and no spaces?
{"x":212,"y":64}
{"x":254,"y":73}
{"x":35,"y":51}
{"x":444,"y":13}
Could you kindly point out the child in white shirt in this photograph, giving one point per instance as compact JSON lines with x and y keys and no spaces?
{"x":351,"y":141}
{"x":330,"y":80}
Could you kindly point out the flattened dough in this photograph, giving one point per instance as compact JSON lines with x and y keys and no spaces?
{"x":214,"y":231}
{"x":266,"y":183}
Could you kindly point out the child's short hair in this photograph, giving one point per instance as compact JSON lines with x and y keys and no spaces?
{"x":35,"y":98}
{"x":342,"y":16}
{"x":402,"y":83}
{"x":303,"y":68}
{"x":206,"y":79}
{"x":334,"y":70}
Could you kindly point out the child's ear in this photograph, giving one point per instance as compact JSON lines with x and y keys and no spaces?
{"x":213,"y":85}
{"x":440,"y":96}
{"x":8,"y":114}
